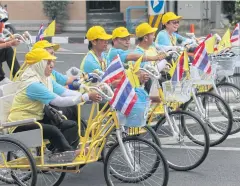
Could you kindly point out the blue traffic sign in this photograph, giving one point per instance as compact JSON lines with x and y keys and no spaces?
{"x":157,"y":5}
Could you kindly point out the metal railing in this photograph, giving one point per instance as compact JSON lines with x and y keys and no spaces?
{"x":129,"y":22}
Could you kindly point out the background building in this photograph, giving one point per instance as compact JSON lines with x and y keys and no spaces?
{"x":28,"y":15}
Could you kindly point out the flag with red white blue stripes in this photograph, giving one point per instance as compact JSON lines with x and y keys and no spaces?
{"x":235,"y":36}
{"x":40,"y":35}
{"x":124,"y":95}
{"x":201,"y":59}
{"x":179,"y":70}
{"x":114,"y":71}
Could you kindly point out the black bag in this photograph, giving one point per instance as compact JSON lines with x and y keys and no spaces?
{"x":54,"y":116}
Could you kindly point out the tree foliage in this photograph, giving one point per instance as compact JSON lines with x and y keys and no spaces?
{"x":56,"y":10}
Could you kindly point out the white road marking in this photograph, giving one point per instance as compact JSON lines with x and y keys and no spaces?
{"x":21,"y":61}
{"x":64,"y":53}
{"x":199,"y":148}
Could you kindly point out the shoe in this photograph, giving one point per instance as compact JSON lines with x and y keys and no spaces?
{"x":63,"y":157}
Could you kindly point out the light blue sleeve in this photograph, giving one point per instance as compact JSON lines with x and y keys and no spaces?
{"x":90,"y":64}
{"x":139,"y":51}
{"x":39,"y":92}
{"x":57,"y":88}
{"x":60,"y":78}
{"x":122,"y":54}
{"x":180,"y":37}
{"x":163,"y":39}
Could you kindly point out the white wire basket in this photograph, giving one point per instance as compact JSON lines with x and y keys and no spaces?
{"x":199,"y":77}
{"x":177,"y":91}
{"x":236,"y":51}
{"x":137,"y":116}
{"x":226,"y":65}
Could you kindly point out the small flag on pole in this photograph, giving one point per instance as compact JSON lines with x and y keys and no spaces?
{"x":50,"y":30}
{"x":40,"y":33}
{"x":235,"y":37}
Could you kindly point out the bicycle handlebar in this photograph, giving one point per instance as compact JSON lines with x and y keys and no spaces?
{"x":102,"y":88}
{"x":151,"y":71}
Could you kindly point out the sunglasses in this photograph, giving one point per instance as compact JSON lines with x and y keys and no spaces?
{"x":175,"y":22}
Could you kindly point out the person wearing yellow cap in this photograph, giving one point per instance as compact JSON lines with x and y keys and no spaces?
{"x":57,"y":76}
{"x":95,"y":59}
{"x":168,"y":36}
{"x":145,"y":36}
{"x":37,"y":90}
{"x":120,"y":46}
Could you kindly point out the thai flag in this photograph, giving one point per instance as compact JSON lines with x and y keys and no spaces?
{"x":40,"y":33}
{"x":208,"y":37}
{"x":179,"y":70}
{"x":201,"y":59}
{"x":124,"y":96}
{"x":235,"y":37}
{"x":114,"y":71}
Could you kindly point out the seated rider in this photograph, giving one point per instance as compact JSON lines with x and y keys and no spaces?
{"x":37,"y":89}
{"x":120,"y":46}
{"x":6,"y":54}
{"x":57,"y":76}
{"x":145,"y":36}
{"x":95,"y":59}
{"x":167,"y":38}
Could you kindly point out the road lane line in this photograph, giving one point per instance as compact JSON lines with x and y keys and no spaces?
{"x":200,"y":148}
{"x":66,"y":53}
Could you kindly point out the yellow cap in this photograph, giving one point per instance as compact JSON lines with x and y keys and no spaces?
{"x":97,"y":32}
{"x":45,"y":44}
{"x":120,"y":32}
{"x":37,"y":55}
{"x":144,"y":29}
{"x":170,"y":16}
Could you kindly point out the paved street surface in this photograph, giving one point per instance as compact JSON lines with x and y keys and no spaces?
{"x":221,"y":168}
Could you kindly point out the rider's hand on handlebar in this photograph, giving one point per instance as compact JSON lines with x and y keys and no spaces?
{"x":143,"y":76}
{"x":94,"y":96}
{"x":14,"y":42}
{"x":93,"y":78}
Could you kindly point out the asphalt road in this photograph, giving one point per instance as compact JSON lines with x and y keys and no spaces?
{"x":220,"y":168}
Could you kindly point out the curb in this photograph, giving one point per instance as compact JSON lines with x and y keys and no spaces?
{"x":62,"y":40}
{"x":66,"y":40}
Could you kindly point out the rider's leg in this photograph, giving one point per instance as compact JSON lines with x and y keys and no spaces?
{"x":70,"y":132}
{"x":6,"y":54}
{"x":2,"y":74}
{"x":52,"y":133}
{"x":69,"y":112}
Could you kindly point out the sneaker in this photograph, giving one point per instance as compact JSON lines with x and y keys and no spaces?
{"x":62,"y":157}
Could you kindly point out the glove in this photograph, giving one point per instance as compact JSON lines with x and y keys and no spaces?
{"x":93,"y":78}
{"x":75,"y":85}
{"x":218,"y":37}
{"x":73,"y":71}
{"x":179,"y":49}
{"x":169,"y":58}
{"x":191,"y":49}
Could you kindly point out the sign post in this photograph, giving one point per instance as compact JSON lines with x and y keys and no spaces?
{"x":155,"y":7}
{"x":155,"y":11}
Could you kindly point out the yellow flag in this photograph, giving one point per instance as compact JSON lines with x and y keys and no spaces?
{"x":137,"y":64}
{"x":209,"y":44}
{"x":50,"y":30}
{"x":225,"y":42}
{"x":173,"y":68}
{"x":185,"y":64}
